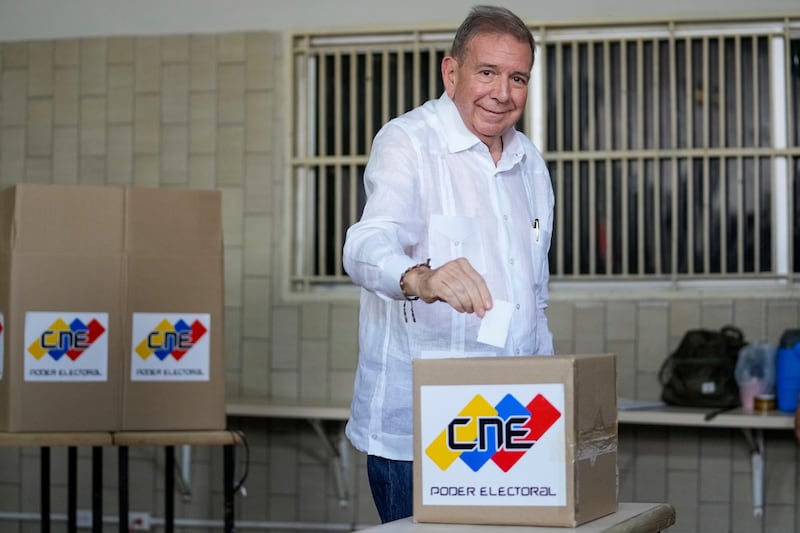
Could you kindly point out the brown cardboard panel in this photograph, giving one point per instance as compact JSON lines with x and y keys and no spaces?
{"x":62,"y":255}
{"x":44,"y":282}
{"x":65,"y":407}
{"x":173,"y":407}
{"x":73,"y":284}
{"x":67,"y":219}
{"x":174,"y":269}
{"x":174,"y":283}
{"x":5,"y":362}
{"x":598,"y":487}
{"x":587,"y":452}
{"x":173,"y":221}
{"x":596,"y":423}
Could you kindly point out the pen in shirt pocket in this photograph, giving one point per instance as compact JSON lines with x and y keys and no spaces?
{"x":536,"y":229}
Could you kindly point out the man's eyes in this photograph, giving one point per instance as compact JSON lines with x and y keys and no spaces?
{"x":523,"y":80}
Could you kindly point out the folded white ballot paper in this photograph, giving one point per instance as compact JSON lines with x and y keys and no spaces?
{"x":495,"y":324}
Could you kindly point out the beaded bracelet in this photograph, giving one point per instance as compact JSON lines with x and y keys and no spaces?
{"x":412,"y":299}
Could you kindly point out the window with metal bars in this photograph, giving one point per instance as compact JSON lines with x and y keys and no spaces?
{"x":674,"y":148}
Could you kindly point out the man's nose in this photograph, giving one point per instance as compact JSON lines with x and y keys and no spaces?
{"x":502,"y":89}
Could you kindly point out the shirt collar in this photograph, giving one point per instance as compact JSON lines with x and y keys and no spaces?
{"x":459,"y":138}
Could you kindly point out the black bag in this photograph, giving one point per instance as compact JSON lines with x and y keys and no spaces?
{"x":700,"y":372}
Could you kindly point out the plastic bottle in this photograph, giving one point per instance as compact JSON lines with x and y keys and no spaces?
{"x":787,"y":371}
{"x":755,"y":372}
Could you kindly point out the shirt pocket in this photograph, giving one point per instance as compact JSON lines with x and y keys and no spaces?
{"x":540,"y":246}
{"x":451,"y":237}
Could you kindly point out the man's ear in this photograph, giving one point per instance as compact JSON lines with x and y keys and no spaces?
{"x":449,"y":74}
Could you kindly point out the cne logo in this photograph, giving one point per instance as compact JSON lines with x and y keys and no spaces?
{"x":502,"y":433}
{"x":61,"y":338}
{"x":168,"y":339}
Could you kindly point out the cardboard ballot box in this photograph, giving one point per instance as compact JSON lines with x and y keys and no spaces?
{"x":84,"y":272}
{"x":515,"y":440}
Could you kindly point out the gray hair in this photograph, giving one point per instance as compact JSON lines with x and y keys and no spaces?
{"x":490,"y":19}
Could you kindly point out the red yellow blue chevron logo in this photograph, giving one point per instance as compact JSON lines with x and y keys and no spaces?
{"x":168,"y":339}
{"x":66,"y":346}
{"x":493,"y":444}
{"x":170,"y":347}
{"x":66,"y":339}
{"x":501,"y":433}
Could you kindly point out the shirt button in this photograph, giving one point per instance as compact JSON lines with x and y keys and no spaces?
{"x":505,"y":217}
{"x":457,"y":243}
{"x":517,"y":306}
{"x":510,"y":261}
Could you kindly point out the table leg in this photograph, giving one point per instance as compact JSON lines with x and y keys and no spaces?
{"x":72,"y":489}
{"x":338,"y":460}
{"x":169,"y":489}
{"x":755,"y":438}
{"x":97,"y":489}
{"x":44,"y":488}
{"x":227,"y":474}
{"x":122,"y":474}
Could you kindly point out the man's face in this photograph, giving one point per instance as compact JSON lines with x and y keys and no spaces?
{"x":490,"y":87}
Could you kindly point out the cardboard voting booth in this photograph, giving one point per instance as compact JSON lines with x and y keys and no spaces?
{"x":515,"y":440}
{"x":84,"y":272}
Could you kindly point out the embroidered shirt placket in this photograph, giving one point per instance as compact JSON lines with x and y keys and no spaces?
{"x":458,"y":321}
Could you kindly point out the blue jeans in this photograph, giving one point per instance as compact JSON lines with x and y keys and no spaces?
{"x":390,"y":482}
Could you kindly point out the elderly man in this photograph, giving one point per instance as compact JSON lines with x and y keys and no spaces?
{"x":457,"y":224}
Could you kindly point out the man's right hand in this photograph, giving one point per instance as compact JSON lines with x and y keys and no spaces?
{"x":455,"y":283}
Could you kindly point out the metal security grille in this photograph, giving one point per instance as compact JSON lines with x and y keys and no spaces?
{"x":674,"y":148}
{"x":345,"y":89}
{"x":667,"y":146}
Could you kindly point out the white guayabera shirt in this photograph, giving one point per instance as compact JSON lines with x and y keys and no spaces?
{"x":433,"y":191}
